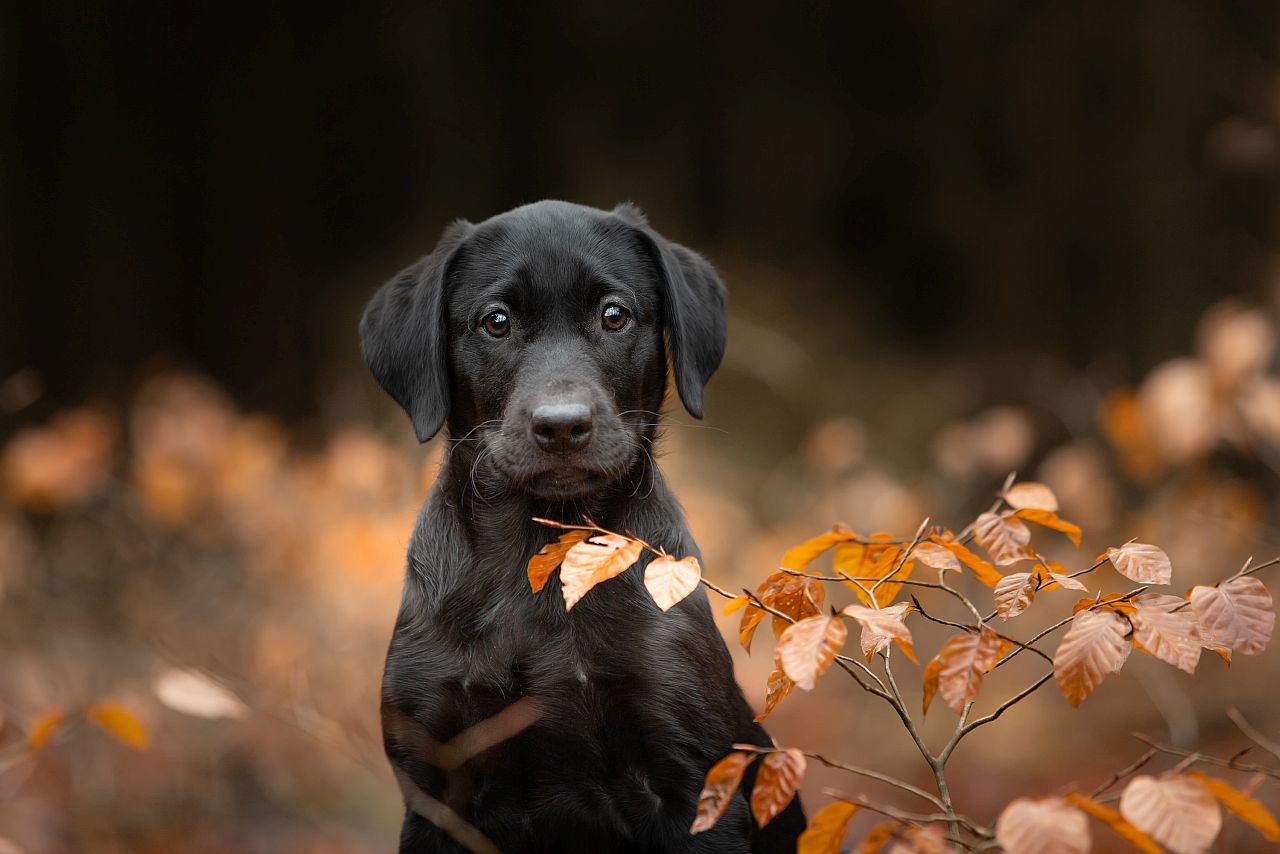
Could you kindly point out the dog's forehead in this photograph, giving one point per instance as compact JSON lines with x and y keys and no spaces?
{"x":556,"y":244}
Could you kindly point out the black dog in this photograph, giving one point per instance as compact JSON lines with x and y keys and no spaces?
{"x":539,"y":335}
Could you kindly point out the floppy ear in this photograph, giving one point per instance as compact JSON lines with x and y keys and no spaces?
{"x":694,"y":298}
{"x":403,"y":338}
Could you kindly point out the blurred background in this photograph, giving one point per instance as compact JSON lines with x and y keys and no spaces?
{"x":960,"y":240}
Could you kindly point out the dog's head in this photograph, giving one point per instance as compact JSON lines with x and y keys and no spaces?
{"x":539,"y":335}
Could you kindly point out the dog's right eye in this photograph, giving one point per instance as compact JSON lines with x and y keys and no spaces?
{"x":497,"y":324}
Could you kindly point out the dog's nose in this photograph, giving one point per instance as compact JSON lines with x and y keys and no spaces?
{"x":562,"y":426}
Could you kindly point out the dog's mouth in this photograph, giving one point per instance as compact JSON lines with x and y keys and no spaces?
{"x":561,"y":476}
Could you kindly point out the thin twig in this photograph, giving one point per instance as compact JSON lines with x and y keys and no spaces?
{"x":1121,"y":774}
{"x":1274,"y":773}
{"x":1253,"y":733}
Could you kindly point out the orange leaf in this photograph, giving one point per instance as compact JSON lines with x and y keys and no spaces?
{"x":1031,"y":496}
{"x":877,"y":837}
{"x":936,"y":556}
{"x":1004,"y":538}
{"x":807,"y":648}
{"x":722,"y":781}
{"x":1176,"y":810}
{"x":1116,"y":822}
{"x":1095,"y":646}
{"x":1042,"y":826}
{"x":963,"y":661}
{"x":826,"y":830}
{"x":549,"y":557}
{"x":747,"y":625}
{"x":885,"y":566}
{"x":776,"y":783}
{"x":594,"y":560}
{"x":1048,"y":519}
{"x":737,"y":603}
{"x":922,"y":840}
{"x":1238,"y":613}
{"x":798,"y":557}
{"x":796,"y":596}
{"x":44,"y":726}
{"x":932,"y":673}
{"x":780,"y":685}
{"x":669,"y":580}
{"x":119,"y":723}
{"x":1241,"y":806}
{"x":982,"y":570}
{"x":1142,"y":563}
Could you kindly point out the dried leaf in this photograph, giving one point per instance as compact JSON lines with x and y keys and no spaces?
{"x":1015,"y":593}
{"x":826,"y":829}
{"x":1116,"y":822}
{"x":737,"y":603}
{"x":193,"y":693}
{"x":963,"y":661}
{"x":779,"y":686}
{"x":776,"y":783}
{"x":669,"y":580}
{"x":796,"y":596}
{"x":1142,"y":563}
{"x":550,"y":556}
{"x":1095,"y":646}
{"x":982,"y":570}
{"x":1238,"y":613}
{"x":807,"y":648}
{"x":1241,"y":806}
{"x":936,"y":556}
{"x":1049,"y":519}
{"x":1170,"y":635}
{"x":885,"y":566}
{"x":882,"y":625}
{"x":877,"y":837}
{"x":1031,"y":496}
{"x":42,"y":729}
{"x":119,"y":723}
{"x":1176,"y":810}
{"x":594,"y":560}
{"x":932,"y":673}
{"x":747,"y":626}
{"x":1042,"y":826}
{"x":722,"y":781}
{"x":1004,"y":538}
{"x":1066,"y":581}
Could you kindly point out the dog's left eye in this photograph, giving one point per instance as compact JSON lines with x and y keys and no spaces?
{"x":496,"y":323}
{"x":614,"y":317}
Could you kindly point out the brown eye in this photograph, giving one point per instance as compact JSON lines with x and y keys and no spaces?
{"x":614,"y":317}
{"x":497,"y":324}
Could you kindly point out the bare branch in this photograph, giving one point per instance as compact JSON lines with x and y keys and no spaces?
{"x":1253,"y":733}
{"x":1121,"y":774}
{"x":1274,"y":773}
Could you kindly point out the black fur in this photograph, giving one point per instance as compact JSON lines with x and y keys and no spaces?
{"x":635,"y":705}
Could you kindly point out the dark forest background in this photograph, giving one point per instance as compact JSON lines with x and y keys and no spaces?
{"x":226,"y":186}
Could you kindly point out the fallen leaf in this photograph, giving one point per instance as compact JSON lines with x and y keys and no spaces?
{"x":1042,"y":826}
{"x":549,"y":557}
{"x":1170,"y":635}
{"x":591,"y":561}
{"x":1238,"y":613}
{"x":1176,"y":810}
{"x":193,"y":693}
{"x":119,"y":723}
{"x":1142,"y":563}
{"x":722,"y":781}
{"x":826,"y":830}
{"x":1003,"y":537}
{"x":776,"y":783}
{"x":669,"y":580}
{"x":807,"y":648}
{"x":1095,"y":646}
